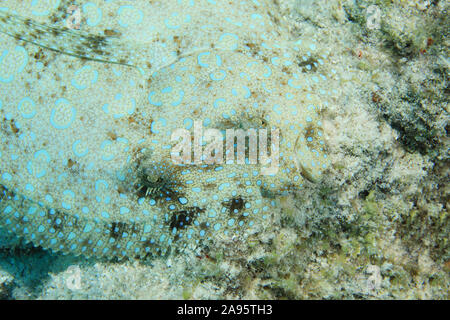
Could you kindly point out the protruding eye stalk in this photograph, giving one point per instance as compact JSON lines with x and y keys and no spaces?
{"x":305,"y":171}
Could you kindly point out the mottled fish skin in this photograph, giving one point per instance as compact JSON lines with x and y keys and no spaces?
{"x":85,"y":156}
{"x":100,"y":48}
{"x":148,"y":54}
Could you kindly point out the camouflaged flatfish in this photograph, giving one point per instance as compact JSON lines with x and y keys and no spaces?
{"x":87,"y":118}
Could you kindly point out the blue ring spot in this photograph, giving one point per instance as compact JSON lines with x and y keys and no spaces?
{"x":52,"y":116}
{"x":27,"y":115}
{"x":219,"y":78}
{"x":92,"y":23}
{"x":199,"y":59}
{"x":76,"y":151}
{"x":150,"y":95}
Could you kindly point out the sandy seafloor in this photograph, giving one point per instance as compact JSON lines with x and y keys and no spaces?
{"x":375,"y":227}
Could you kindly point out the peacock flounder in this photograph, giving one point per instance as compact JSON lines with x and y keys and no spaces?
{"x":88,"y":116}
